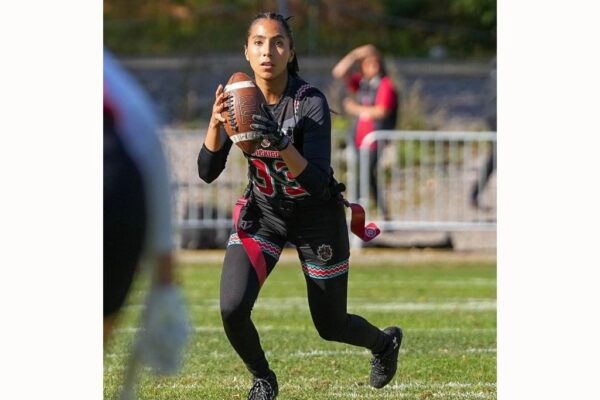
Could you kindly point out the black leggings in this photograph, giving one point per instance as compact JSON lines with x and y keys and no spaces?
{"x":327,"y":302}
{"x":374,"y":189}
{"x":373,"y":184}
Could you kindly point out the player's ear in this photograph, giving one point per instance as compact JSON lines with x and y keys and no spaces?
{"x":292,"y":55}
{"x":246,"y":52}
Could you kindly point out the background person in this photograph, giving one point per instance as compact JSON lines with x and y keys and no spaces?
{"x":289,"y":199}
{"x":374,"y":104}
{"x":137,"y":219}
{"x":490,"y":163}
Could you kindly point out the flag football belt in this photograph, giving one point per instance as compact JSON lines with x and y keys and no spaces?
{"x":252,"y":248}
{"x":357,"y":223}
{"x":255,"y":254}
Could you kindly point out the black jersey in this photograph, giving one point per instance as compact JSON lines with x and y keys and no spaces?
{"x":303,"y":114}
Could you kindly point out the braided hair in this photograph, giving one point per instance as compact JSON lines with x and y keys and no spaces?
{"x":292,"y":67}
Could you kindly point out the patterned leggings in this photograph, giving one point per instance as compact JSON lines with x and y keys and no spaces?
{"x":324,"y":257}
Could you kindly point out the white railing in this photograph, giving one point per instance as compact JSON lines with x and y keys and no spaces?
{"x":202,"y":211}
{"x":425,"y":179}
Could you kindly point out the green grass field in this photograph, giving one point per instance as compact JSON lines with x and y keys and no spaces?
{"x":446,"y":309}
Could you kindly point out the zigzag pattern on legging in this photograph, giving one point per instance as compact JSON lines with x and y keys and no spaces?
{"x":325,"y":271}
{"x":265,"y":246}
{"x":234,"y":239}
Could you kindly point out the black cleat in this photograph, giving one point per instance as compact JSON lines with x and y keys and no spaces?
{"x":264,"y":389}
{"x":384,"y":364}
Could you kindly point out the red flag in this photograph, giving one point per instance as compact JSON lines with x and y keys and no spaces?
{"x":357,"y":223}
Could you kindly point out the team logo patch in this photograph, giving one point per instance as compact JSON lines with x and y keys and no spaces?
{"x":324,"y":252}
{"x":245,"y":225}
{"x":370,"y":232}
{"x":265,"y":143}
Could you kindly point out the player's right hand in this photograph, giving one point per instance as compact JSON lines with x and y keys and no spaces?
{"x":219,"y":106}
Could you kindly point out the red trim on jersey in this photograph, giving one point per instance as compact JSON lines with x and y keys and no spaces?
{"x":257,"y":258}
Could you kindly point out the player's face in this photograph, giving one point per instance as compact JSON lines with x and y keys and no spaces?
{"x":268,"y":49}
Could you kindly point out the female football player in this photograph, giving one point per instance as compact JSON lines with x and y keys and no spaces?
{"x":291,"y":198}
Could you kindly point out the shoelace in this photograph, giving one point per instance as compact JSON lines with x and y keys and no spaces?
{"x":378,"y":364}
{"x":261,"y":390}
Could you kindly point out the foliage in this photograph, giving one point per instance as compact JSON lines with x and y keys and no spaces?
{"x":412,"y":116}
{"x":463,"y":28}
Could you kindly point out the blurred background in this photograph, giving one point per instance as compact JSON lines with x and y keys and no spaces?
{"x":439,"y":53}
{"x":406,"y":28}
{"x":438,"y":50}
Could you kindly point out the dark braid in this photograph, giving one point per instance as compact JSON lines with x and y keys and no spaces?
{"x":292,"y":67}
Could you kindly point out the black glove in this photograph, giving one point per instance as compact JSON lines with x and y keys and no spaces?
{"x":268,"y":129}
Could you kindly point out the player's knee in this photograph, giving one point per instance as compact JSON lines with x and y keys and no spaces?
{"x":233,"y":314}
{"x":328,"y":334}
{"x":330,"y":330}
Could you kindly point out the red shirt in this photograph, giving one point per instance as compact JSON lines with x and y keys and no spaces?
{"x":384,"y":94}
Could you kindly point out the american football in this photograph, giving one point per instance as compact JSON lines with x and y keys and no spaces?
{"x":243,"y":100}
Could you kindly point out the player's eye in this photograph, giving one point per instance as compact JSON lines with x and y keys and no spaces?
{"x":258,"y":42}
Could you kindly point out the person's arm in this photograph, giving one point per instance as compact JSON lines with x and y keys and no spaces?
{"x":213,"y":154}
{"x":316,"y":147}
{"x":342,"y":69}
{"x":312,"y":176}
{"x":214,"y":140}
{"x":295,"y":162}
{"x":376,"y":111}
{"x":211,"y":164}
{"x":385,"y":101}
{"x":311,"y":167}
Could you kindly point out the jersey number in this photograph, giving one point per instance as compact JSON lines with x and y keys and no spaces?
{"x":265,"y":179}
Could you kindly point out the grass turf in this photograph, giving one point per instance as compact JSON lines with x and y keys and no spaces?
{"x":447,"y":311}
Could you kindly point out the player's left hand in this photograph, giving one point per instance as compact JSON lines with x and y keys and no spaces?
{"x":166,"y":329}
{"x":269,"y":130}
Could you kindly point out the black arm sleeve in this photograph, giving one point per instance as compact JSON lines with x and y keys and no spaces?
{"x":316,"y":126}
{"x":314,"y":181}
{"x":211,"y":164}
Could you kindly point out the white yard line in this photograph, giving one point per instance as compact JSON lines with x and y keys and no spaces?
{"x":477,"y":305}
{"x":394,"y":395}
{"x":448,"y":390}
{"x":317,"y":353}
{"x":452,"y":330}
{"x":348,"y":352}
{"x":445,"y":385}
{"x":465,"y":283}
{"x":364,"y":256}
{"x":370,"y":283}
{"x":283,"y":328}
{"x":354,"y":304}
{"x":484,"y":350}
{"x":210,"y":329}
